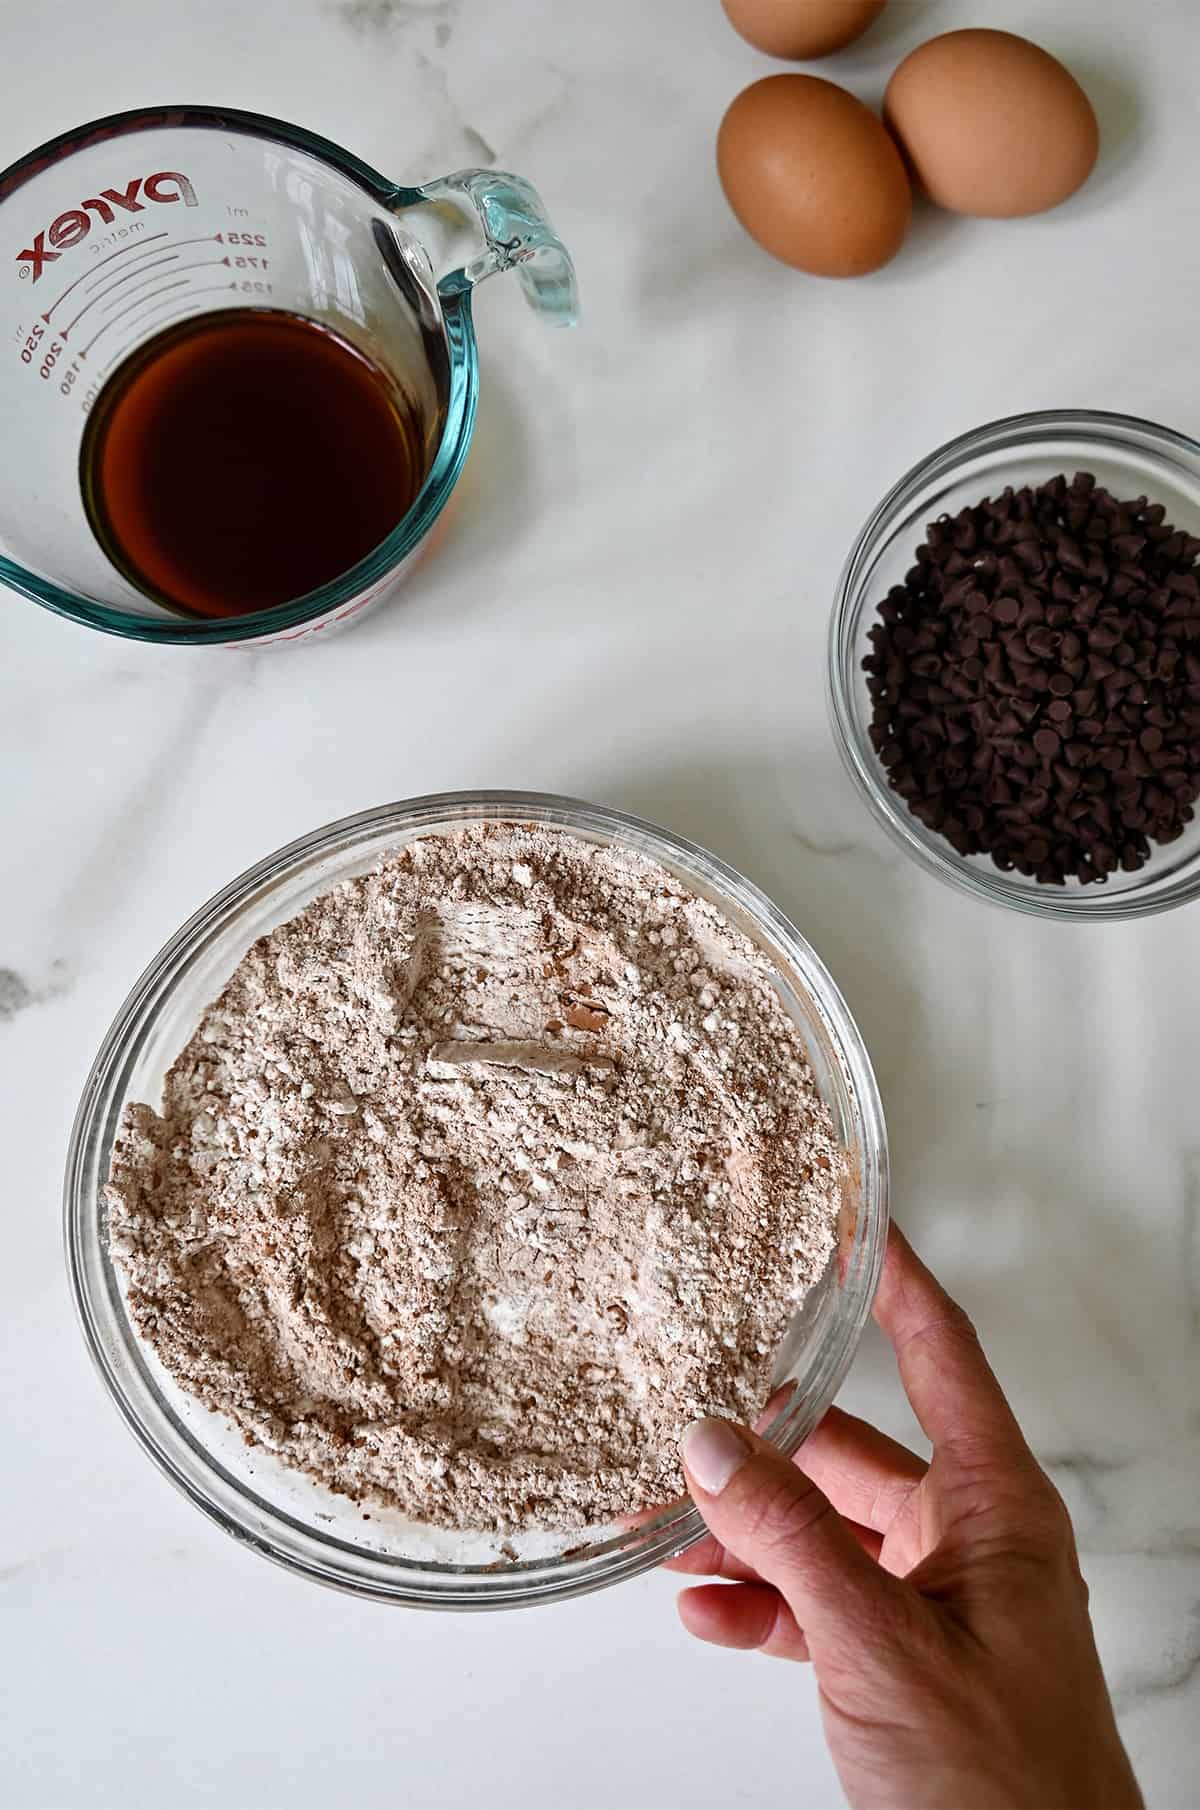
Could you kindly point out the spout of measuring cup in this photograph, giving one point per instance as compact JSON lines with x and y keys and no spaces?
{"x":517,"y":236}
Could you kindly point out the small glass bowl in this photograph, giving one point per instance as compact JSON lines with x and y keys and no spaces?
{"x":280,"y":1512}
{"x":1131,"y":458}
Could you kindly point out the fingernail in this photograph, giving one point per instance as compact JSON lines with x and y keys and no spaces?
{"x":713,"y":1450}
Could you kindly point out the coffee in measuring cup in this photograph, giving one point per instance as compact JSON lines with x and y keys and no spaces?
{"x":242,"y":370}
{"x":247,"y":456}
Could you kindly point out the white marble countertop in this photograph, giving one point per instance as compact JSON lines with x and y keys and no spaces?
{"x":632,"y":609}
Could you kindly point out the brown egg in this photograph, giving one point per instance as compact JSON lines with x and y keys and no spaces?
{"x":812,"y":175}
{"x":992,"y":124}
{"x":801,"y":28}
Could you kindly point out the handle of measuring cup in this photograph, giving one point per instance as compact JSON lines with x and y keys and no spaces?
{"x":518,"y":236}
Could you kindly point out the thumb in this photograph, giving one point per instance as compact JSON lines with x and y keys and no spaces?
{"x":767,"y":1513}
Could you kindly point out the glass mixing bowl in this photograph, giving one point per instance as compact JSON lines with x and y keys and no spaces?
{"x":1132,"y":458}
{"x":282,"y":1513}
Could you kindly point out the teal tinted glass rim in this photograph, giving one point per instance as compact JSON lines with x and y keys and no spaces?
{"x":461,"y":402}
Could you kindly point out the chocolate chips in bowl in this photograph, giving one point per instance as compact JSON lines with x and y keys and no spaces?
{"x":1015,"y":664}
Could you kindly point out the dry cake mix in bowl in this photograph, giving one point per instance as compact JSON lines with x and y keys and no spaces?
{"x":450,"y":1162}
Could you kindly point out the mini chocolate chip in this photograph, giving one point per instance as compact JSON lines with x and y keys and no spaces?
{"x":1044,"y":646}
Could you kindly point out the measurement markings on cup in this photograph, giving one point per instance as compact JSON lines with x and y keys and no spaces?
{"x":128,"y":304}
{"x":122,"y":251}
{"x":176,"y":306}
{"x":175,"y":245}
{"x":122,"y":293}
{"x":134,"y":276}
{"x":198,"y":264}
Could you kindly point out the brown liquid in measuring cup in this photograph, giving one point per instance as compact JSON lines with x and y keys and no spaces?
{"x":244,"y":458}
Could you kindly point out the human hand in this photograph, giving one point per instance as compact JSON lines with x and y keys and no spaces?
{"x":941,"y":1605}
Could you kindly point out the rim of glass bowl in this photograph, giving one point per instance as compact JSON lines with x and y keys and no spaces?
{"x":1104,"y":429}
{"x":383,"y":560}
{"x":116,"y":1351}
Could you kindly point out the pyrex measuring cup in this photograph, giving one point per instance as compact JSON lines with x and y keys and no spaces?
{"x":134,"y":223}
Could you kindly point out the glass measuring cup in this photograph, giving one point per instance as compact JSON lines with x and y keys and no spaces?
{"x":143,"y":220}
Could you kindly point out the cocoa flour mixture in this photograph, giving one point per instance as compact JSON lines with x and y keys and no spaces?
{"x":485,"y":1174}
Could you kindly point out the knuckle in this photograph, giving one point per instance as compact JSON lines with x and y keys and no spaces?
{"x":784,"y":1639}
{"x":1046,"y":1522}
{"x":778,"y":1511}
{"x":1056,"y":1513}
{"x":954,"y":1326}
{"x":1024,"y":1521}
{"x":1006,"y":1495}
{"x":988,"y":1469}
{"x":947,"y":1334}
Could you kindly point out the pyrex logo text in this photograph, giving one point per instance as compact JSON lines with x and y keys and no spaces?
{"x":76,"y":223}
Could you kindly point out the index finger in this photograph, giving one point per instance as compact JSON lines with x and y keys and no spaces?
{"x":946,"y":1377}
